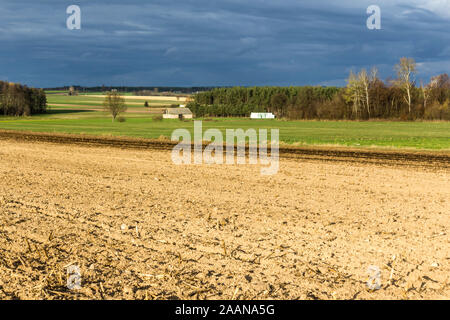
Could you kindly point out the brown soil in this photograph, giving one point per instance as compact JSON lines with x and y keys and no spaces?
{"x":140,"y":227}
{"x":366,"y":155}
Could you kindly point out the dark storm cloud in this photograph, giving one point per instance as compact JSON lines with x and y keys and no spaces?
{"x":226,"y":42}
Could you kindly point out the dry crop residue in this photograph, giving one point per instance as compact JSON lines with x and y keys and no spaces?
{"x":139,"y":227}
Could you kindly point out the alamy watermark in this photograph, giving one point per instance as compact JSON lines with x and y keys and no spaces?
{"x":73,"y":277}
{"x":374,"y":281}
{"x":236,"y":142}
{"x":374,"y":20}
{"x":73,"y":22}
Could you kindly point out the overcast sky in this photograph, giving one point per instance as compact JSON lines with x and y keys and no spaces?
{"x":214,"y":43}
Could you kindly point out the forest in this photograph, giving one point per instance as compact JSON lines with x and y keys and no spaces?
{"x":19,"y":100}
{"x":365,"y":97}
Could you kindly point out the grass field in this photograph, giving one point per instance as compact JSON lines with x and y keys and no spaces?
{"x":417,"y":135}
{"x":81,"y":115}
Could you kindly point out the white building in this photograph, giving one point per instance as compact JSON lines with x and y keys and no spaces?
{"x":262,"y":115}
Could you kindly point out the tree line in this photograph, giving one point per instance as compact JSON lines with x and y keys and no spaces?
{"x":241,"y":101}
{"x":19,"y":100}
{"x":365,"y":96}
{"x":133,"y":90}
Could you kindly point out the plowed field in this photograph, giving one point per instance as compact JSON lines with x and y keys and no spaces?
{"x":139,"y":227}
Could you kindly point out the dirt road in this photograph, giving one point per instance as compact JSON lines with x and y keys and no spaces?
{"x":139,"y":227}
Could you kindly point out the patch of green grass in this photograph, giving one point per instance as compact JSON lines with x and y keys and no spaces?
{"x":415,"y":135}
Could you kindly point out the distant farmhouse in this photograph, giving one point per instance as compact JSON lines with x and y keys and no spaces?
{"x":262,"y":115}
{"x":177,"y":113}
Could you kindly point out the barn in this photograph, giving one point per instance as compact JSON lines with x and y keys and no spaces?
{"x":177,"y":113}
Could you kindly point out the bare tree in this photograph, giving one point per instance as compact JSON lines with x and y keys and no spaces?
{"x":114,"y":104}
{"x":364,"y":81}
{"x":406,"y":71}
{"x":374,"y":74}
{"x":354,"y":92}
{"x":373,"y":78}
{"x":441,"y":81}
{"x":426,"y":92}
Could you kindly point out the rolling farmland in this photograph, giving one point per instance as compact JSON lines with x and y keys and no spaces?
{"x":348,"y":195}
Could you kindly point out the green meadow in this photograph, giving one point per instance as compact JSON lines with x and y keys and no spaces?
{"x":416,"y":135}
{"x":83,"y":120}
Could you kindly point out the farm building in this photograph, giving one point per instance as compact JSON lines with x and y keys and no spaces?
{"x":262,"y":115}
{"x":177,"y":113}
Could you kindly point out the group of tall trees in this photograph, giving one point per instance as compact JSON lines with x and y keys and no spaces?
{"x":18,"y":100}
{"x":398,"y":98}
{"x":366,"y":96}
{"x":240,"y":101}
